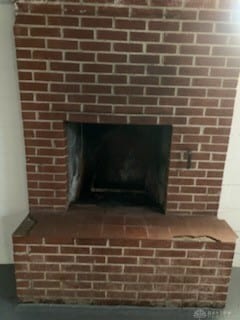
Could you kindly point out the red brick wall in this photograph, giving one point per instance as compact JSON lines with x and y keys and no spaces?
{"x":138,"y":272}
{"x":131,"y":62}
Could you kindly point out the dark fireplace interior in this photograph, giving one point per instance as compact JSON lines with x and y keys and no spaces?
{"x":118,"y":164}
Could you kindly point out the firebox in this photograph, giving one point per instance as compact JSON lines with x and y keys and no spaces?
{"x":119,"y":164}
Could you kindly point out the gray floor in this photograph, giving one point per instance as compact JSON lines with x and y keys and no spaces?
{"x":10,"y":309}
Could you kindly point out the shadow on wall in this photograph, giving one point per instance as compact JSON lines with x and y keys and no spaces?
{"x":229,"y":206}
{"x":13,"y":193}
{"x":13,"y":190}
{"x":8,"y":224}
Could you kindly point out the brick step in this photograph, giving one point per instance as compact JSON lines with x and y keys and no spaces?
{"x":128,"y":257}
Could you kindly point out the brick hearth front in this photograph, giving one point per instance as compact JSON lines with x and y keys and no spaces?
{"x":123,"y":256}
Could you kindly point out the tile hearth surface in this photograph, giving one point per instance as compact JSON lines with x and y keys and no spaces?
{"x":91,"y":221}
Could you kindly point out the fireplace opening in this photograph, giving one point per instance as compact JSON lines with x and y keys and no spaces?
{"x":118,"y":164}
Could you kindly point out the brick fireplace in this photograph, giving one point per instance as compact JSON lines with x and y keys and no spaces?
{"x":127,"y":64}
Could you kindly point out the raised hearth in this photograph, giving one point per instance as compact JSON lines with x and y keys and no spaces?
{"x":122,"y":256}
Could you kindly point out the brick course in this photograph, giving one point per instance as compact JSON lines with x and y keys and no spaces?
{"x":89,"y":272}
